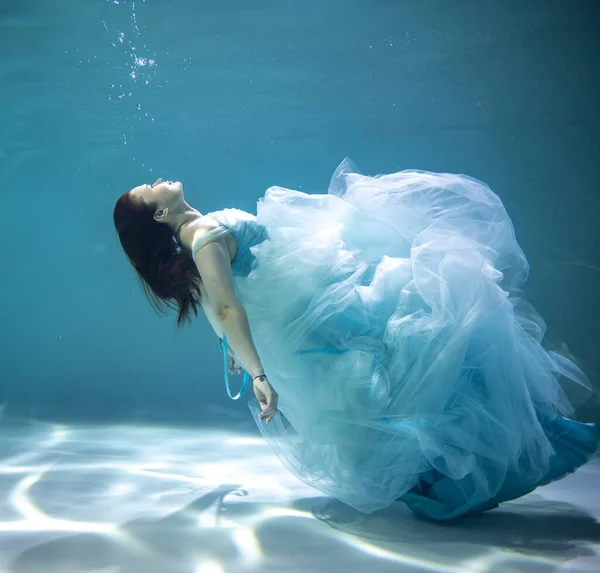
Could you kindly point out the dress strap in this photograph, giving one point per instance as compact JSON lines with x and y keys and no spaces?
{"x":209,"y":237}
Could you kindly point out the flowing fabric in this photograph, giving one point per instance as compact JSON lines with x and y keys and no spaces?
{"x":389,"y":317}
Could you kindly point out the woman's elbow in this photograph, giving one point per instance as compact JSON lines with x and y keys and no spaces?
{"x":223,"y":311}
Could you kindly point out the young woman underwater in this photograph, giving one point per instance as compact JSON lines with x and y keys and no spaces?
{"x":385,"y":321}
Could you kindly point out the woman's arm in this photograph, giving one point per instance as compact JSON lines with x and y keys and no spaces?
{"x":209,"y":312}
{"x":223,"y":309}
{"x":214,"y":267}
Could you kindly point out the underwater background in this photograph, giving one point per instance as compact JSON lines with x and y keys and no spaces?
{"x":231,"y":97}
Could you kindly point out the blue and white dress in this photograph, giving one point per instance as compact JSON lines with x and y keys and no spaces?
{"x":389,"y":317}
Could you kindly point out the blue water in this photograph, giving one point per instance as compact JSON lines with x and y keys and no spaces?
{"x":233,"y":99}
{"x":233,"y":96}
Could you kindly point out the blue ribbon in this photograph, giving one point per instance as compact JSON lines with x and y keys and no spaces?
{"x":226,"y":365}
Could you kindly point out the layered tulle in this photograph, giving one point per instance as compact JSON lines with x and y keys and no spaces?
{"x":389,"y":317}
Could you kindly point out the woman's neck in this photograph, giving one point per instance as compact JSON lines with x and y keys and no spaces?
{"x":184,"y":223}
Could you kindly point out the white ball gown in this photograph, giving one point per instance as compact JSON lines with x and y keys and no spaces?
{"x":389,"y":317}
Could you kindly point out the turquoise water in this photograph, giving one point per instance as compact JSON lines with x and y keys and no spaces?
{"x":98,"y":96}
{"x":232,"y":97}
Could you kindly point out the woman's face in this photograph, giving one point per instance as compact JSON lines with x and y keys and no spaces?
{"x":159,"y":194}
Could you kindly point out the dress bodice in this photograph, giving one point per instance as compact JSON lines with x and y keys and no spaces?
{"x":247,"y":232}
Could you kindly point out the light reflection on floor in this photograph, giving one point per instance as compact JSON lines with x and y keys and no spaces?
{"x":126,"y":499}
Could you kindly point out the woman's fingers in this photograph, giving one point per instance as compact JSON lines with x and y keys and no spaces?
{"x":267,"y":414}
{"x":267,"y":398}
{"x":234,"y":367}
{"x":269,"y":407}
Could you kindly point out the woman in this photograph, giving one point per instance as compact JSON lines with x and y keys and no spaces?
{"x":388,"y":317}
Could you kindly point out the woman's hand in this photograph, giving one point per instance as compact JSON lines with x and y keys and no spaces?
{"x":233,"y":364}
{"x":267,"y":398}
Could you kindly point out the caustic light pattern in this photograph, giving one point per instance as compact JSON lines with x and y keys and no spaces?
{"x":124,"y":499}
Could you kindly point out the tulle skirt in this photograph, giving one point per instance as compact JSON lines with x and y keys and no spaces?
{"x":389,"y":317}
